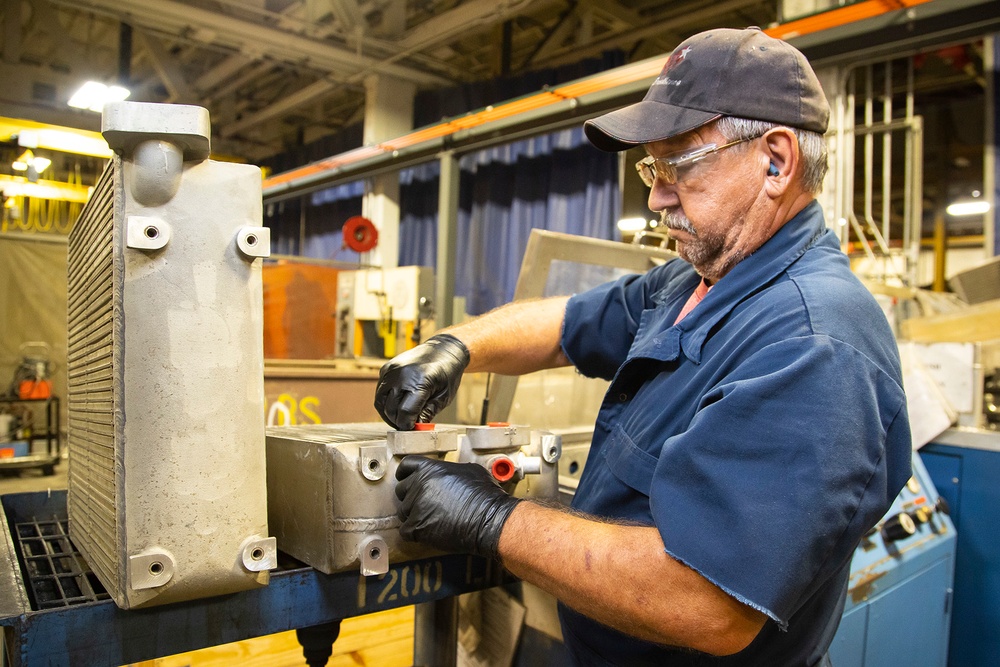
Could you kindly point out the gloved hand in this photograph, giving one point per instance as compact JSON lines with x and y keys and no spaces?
{"x":419,"y":383}
{"x":451,"y":506}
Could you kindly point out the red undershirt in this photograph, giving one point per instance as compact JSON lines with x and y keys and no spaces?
{"x":696,"y":296}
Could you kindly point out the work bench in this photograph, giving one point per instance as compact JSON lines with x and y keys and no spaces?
{"x":54,"y":611}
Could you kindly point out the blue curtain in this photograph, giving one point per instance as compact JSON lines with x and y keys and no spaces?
{"x":324,"y":214}
{"x":556,"y":182}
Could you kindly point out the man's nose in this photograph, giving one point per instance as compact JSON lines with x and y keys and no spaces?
{"x":662,"y":196}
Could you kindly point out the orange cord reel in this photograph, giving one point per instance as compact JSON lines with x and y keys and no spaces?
{"x":360,"y":234}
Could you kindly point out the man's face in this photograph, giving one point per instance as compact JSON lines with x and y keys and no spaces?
{"x":712,"y":211}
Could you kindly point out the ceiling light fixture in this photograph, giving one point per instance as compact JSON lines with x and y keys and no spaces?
{"x":94,"y":95}
{"x":968,"y":207}
{"x":28,"y":159}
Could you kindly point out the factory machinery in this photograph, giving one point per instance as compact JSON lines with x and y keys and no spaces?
{"x":381,"y":312}
{"x":902,"y":577}
{"x":180,"y":502}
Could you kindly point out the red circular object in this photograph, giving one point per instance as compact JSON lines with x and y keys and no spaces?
{"x":360,"y":234}
{"x":502,"y":469}
{"x":423,"y":426}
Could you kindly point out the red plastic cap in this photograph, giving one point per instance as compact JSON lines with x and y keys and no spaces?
{"x":422,"y":426}
{"x":498,"y":424}
{"x":502,"y":469}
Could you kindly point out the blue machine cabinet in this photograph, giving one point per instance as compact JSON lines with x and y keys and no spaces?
{"x":965,"y":467}
{"x":47,"y":618}
{"x":898,"y":608}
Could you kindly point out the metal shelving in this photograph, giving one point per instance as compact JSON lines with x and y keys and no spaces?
{"x":52,"y":454}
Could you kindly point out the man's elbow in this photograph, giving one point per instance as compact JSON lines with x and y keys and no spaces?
{"x":732,"y":634}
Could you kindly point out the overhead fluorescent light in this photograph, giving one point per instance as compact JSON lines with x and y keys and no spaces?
{"x":30,"y":134}
{"x":633,"y":224}
{"x":94,"y":95}
{"x":968,"y":207}
{"x":27,"y":158}
{"x":74,"y":141}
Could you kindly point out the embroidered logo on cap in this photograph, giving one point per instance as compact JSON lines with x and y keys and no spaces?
{"x":675,"y":58}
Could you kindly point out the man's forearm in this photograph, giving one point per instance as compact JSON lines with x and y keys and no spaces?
{"x":622,"y":577}
{"x":518,"y":338}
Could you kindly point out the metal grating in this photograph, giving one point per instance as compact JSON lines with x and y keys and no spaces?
{"x":91,"y":365}
{"x":56,"y":572}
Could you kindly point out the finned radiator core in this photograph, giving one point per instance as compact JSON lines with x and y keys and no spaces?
{"x":167,"y":488}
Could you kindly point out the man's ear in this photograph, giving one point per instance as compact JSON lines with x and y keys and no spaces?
{"x":782,"y":152}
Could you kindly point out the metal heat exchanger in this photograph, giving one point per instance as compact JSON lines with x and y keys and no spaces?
{"x":167,"y":490}
{"x":332,"y":486}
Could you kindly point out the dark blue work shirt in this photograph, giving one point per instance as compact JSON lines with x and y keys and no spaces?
{"x":763,"y":435}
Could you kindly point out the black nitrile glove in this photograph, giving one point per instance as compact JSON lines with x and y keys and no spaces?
{"x":419,"y":383}
{"x":451,"y":506}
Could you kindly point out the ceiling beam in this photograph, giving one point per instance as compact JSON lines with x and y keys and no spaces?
{"x":167,"y":68}
{"x":67,"y":51}
{"x":286,"y":104}
{"x":617,"y":11}
{"x":554,"y":41}
{"x":249,"y":37}
{"x":257,"y":70}
{"x":346,"y":12}
{"x":468,"y":18}
{"x":12,"y":31}
{"x":661,"y":29}
{"x":222,"y":71}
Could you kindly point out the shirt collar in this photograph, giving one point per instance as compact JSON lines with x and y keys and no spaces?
{"x":757,"y":270}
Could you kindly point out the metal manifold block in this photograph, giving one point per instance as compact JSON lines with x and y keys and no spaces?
{"x":167,"y":491}
{"x":331,"y":487}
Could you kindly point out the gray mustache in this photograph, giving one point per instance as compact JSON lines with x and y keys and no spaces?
{"x":676,"y":221}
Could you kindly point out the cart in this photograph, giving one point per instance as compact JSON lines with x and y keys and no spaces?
{"x":44,"y":429}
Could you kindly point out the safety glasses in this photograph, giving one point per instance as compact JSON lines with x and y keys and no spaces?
{"x":667,"y":168}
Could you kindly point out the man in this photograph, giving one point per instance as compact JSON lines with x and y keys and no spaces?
{"x":755,"y":426}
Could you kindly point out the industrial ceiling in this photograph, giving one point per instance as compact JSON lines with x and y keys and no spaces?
{"x":277,"y":74}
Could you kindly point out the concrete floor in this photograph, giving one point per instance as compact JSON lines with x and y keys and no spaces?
{"x":32,"y":479}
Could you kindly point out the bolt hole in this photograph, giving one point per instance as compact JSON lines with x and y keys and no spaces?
{"x":251,"y":239}
{"x":375,"y":553}
{"x":553,"y":452}
{"x":573,"y":467}
{"x":374,"y":465}
{"x":257,"y":553}
{"x":155,"y":568}
{"x":151,"y":232}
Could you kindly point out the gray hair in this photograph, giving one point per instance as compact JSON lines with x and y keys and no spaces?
{"x":812,"y":146}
